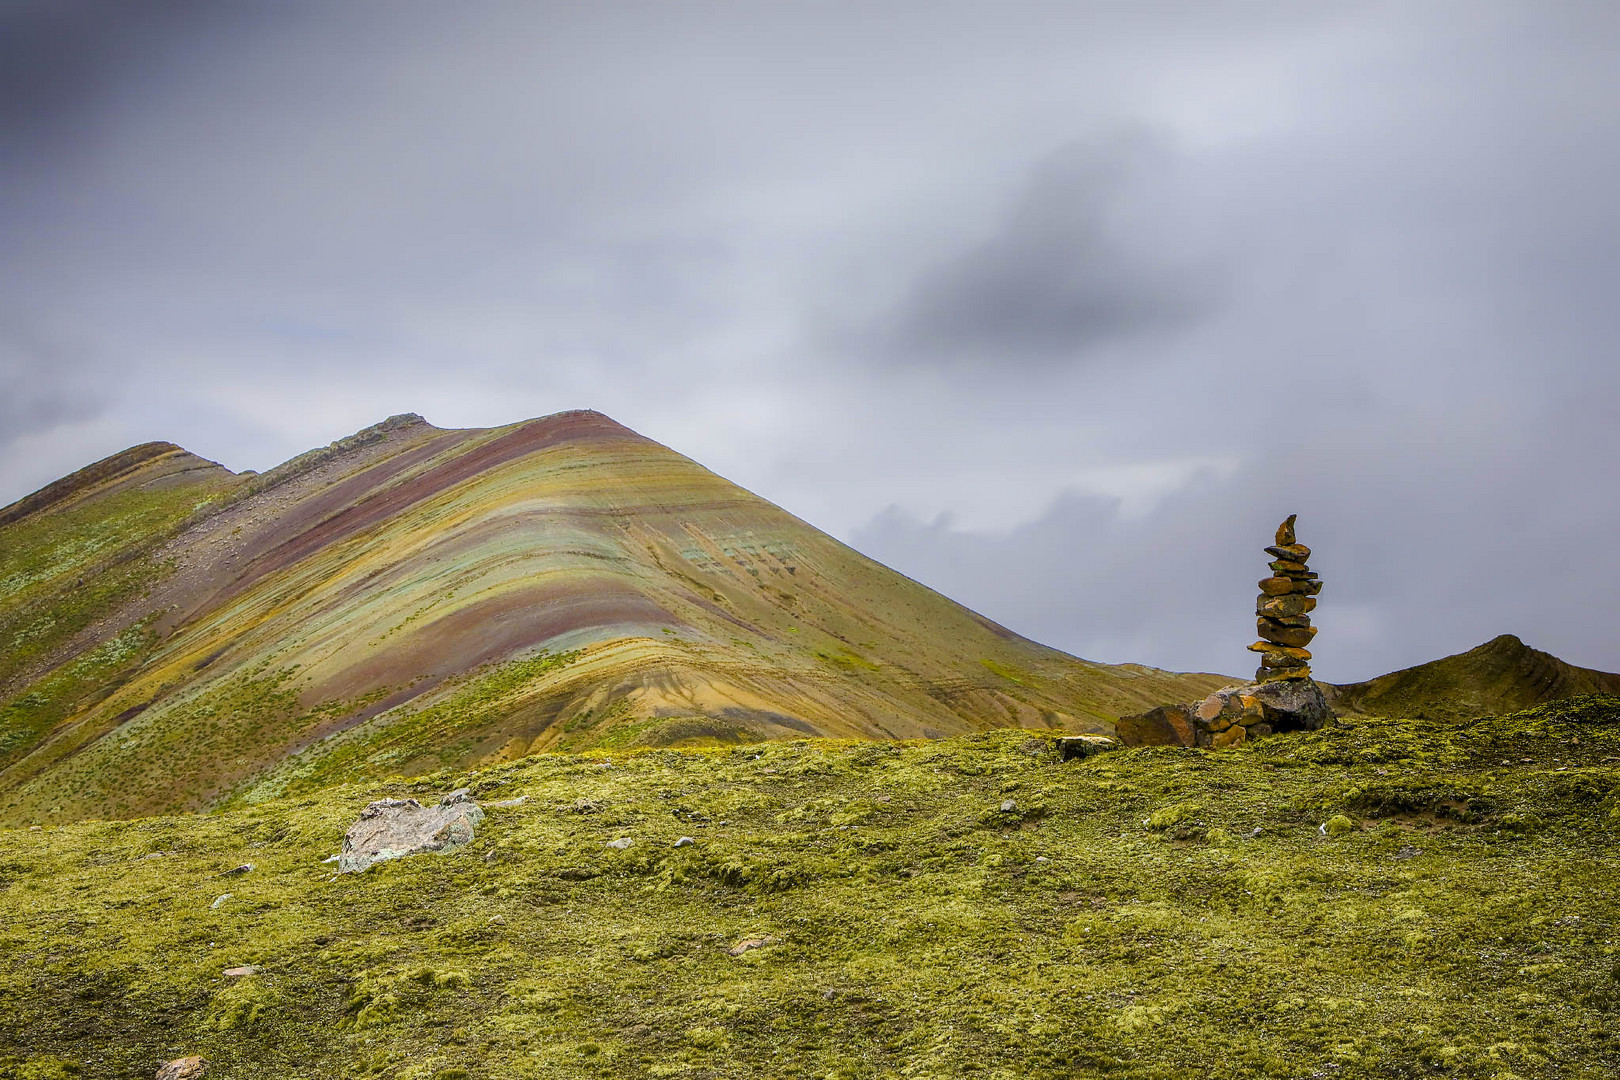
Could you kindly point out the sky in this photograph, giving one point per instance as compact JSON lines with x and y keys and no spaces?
{"x":1058,"y":308}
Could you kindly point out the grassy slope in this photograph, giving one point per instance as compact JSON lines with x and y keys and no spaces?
{"x":67,"y":567}
{"x":1460,"y":922}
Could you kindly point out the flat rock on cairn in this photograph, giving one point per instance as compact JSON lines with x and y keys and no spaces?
{"x":395,"y":828}
{"x":1283,"y":696}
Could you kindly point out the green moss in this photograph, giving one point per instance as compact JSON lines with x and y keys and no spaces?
{"x":1172,"y":914}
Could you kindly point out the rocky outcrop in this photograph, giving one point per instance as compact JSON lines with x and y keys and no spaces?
{"x":395,"y":828}
{"x":1282,"y":613}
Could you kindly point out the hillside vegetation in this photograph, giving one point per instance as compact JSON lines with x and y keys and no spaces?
{"x":1389,"y":898}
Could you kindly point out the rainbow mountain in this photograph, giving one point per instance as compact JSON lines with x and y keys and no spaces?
{"x":176,"y":636}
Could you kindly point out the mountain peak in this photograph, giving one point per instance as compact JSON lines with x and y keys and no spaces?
{"x":143,"y":464}
{"x":1501,"y":676}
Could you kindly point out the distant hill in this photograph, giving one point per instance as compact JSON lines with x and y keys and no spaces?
{"x":176,"y":636}
{"x":1501,"y":676}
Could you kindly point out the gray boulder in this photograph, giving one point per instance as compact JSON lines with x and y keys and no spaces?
{"x":395,"y":828}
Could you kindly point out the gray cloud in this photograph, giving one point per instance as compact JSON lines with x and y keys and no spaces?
{"x":1065,"y":271}
{"x":1353,"y":260}
{"x":45,"y":384}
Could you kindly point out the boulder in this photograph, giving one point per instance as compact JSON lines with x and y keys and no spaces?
{"x":395,"y":828}
{"x":1165,"y":725}
{"x":188,"y":1068}
{"x":1293,"y":705}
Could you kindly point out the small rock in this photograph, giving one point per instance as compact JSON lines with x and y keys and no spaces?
{"x":1254,"y":832}
{"x":1280,"y":655}
{"x":1042,"y":858}
{"x":331,"y":858}
{"x":747,"y":944}
{"x":1084,"y":746}
{"x":1008,"y":806}
{"x":245,"y":868}
{"x":154,"y":854}
{"x":181,"y":1069}
{"x":1285,"y":532}
{"x":1281,"y":586}
{"x":620,"y":844}
{"x":498,"y":920}
{"x":244,"y":970}
{"x":1285,"y":607}
{"x":220,"y":899}
{"x":35,"y":828}
{"x":1297,"y":637}
{"x":506,"y":803}
{"x":685,"y":841}
{"x":1407,"y":851}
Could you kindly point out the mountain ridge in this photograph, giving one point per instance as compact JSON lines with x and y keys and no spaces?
{"x":410,"y":598}
{"x":1502,"y":675}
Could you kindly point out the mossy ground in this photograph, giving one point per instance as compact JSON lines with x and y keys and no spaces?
{"x":1457,"y":917}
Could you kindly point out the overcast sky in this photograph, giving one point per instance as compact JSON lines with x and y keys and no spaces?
{"x":1058,"y":308}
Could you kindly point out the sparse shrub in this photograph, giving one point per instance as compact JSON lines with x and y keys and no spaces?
{"x":242,"y":1004}
{"x":706,"y":1038}
{"x":1338,"y":825}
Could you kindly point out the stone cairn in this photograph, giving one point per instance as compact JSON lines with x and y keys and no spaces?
{"x":1283,"y":610}
{"x":1283,"y":696}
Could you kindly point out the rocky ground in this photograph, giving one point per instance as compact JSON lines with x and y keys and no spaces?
{"x":1377,"y":898}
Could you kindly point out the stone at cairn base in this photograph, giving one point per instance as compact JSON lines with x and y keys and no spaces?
{"x":1230,"y":715}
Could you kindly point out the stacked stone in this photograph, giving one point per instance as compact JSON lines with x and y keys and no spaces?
{"x":1283,"y":610}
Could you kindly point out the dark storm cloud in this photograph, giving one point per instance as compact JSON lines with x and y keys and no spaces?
{"x":1112,"y":287}
{"x":1066,"y":271}
{"x":63,"y":62}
